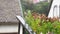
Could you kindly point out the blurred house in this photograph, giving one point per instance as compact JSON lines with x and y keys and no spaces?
{"x":55,"y":9}
{"x":8,"y":21}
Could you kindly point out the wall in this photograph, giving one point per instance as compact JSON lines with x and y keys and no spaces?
{"x":52,"y":10}
{"x":8,"y":28}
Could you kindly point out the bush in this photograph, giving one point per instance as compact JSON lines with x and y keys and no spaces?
{"x":40,"y":23}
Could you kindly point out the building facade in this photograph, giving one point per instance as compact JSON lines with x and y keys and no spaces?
{"x":55,"y":9}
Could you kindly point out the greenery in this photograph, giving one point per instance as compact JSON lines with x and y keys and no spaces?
{"x":41,"y":7}
{"x":40,"y":23}
{"x":35,"y":16}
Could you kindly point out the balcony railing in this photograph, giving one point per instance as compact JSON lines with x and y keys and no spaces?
{"x":24,"y":25}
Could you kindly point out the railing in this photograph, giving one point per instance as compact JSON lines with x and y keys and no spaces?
{"x":24,"y":25}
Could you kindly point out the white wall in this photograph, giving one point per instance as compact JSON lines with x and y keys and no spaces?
{"x":8,"y":28}
{"x":55,"y":2}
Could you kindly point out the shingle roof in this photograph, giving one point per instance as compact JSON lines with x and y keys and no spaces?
{"x":8,"y":11}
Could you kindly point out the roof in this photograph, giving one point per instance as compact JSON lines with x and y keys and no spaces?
{"x":8,"y":11}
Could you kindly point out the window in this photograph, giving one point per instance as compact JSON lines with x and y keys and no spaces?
{"x":36,"y":6}
{"x":33,"y":9}
{"x":59,"y":11}
{"x":55,"y":11}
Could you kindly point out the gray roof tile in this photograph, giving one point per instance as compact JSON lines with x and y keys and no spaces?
{"x":8,"y":11}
